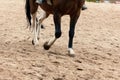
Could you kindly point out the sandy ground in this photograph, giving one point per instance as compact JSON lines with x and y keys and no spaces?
{"x":96,"y":43}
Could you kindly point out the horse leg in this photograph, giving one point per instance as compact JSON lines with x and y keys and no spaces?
{"x":57,"y":21}
{"x":35,"y":40}
{"x":42,"y":16}
{"x":73,"y":20}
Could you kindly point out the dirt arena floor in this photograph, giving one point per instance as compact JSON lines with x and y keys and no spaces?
{"x":96,"y":43}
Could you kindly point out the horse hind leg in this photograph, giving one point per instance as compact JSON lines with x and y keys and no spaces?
{"x":35,"y":27}
{"x":43,"y":15}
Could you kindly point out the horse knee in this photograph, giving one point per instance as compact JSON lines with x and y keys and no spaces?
{"x":58,"y":34}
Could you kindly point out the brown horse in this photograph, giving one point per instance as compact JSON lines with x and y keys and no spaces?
{"x":58,"y":8}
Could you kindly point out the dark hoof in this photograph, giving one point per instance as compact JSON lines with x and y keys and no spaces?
{"x":46,"y":47}
{"x":33,"y":42}
{"x":42,"y":27}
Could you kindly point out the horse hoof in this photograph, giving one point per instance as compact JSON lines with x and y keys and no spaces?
{"x":42,"y":26}
{"x":71,"y":52}
{"x":46,"y":46}
{"x":33,"y":42}
{"x":38,"y":38}
{"x":72,"y":55}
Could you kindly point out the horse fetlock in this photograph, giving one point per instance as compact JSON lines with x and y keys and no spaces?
{"x":58,"y":34}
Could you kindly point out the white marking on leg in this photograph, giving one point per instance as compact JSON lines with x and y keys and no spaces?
{"x":71,"y":52}
{"x":35,"y":40}
{"x":40,"y":20}
{"x":42,"y":16}
{"x":38,"y":30}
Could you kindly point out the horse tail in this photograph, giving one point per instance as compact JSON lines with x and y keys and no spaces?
{"x":27,"y":10}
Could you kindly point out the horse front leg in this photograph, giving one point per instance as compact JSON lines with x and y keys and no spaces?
{"x":57,"y":21}
{"x":73,"y":20}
